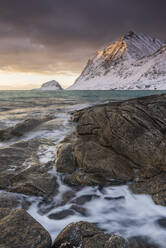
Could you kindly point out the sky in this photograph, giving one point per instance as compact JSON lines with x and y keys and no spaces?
{"x":42,"y":40}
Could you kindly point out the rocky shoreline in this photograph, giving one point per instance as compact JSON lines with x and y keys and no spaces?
{"x":114,"y":144}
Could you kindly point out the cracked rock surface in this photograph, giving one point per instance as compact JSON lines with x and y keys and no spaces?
{"x":119,"y":142}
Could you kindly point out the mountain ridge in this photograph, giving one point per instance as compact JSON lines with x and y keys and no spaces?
{"x":111,"y":67}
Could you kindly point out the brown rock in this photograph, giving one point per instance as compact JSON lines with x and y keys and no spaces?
{"x":94,"y":158}
{"x":81,"y":234}
{"x":116,"y":242}
{"x":18,"y":229}
{"x":9,"y":201}
{"x":156,"y":186}
{"x":65,"y":158}
{"x":76,"y":179}
{"x":87,"y":235}
{"x":124,"y":141}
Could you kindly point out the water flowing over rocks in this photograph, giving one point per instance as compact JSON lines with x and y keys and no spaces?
{"x":112,"y":145}
{"x":119,"y":142}
{"x":22,"y":172}
{"x":21,"y":128}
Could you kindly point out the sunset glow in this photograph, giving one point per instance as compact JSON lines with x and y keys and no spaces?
{"x":53,"y":40}
{"x":28,"y":81}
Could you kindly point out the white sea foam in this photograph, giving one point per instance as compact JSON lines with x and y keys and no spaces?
{"x":46,"y":153}
{"x":128,"y":215}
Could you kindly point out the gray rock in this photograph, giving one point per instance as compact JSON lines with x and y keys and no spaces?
{"x":21,"y":128}
{"x":22,"y":172}
{"x":65,"y":158}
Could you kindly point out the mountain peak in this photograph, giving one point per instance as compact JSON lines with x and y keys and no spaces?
{"x":135,"y":61}
{"x":132,"y":44}
{"x":129,"y":34}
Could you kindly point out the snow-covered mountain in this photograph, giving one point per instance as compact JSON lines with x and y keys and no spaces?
{"x":51,"y":85}
{"x":136,"y":61}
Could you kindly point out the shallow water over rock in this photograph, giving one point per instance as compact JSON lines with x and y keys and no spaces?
{"x":113,"y":208}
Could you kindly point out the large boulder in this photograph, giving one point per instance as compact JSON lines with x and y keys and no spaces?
{"x":123,"y":141}
{"x":88,"y":235}
{"x":81,"y":234}
{"x":18,"y":229}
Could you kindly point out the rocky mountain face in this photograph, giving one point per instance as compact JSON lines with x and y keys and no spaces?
{"x":51,"y":85}
{"x":136,"y":61}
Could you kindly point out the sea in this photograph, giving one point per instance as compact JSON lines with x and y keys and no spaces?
{"x":127,"y":214}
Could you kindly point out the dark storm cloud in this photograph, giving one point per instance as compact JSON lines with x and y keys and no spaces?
{"x":51,"y":36}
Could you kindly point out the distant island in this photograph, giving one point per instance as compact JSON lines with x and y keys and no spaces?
{"x":51,"y":85}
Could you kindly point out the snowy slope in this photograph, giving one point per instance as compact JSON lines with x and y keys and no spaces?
{"x":51,"y":85}
{"x":136,"y":61}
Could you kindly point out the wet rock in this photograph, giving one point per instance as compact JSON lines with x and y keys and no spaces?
{"x":83,"y":179}
{"x":67,"y":196}
{"x":21,"y":154}
{"x":114,"y":198}
{"x":84,"y":234}
{"x":9,"y":201}
{"x":156,"y":186}
{"x":123,"y":141}
{"x":150,"y":185}
{"x":79,"y":210}
{"x":94,"y":158}
{"x":81,"y":234}
{"x":160,"y":198}
{"x":61,"y":214}
{"x":65,"y":158}
{"x":13,"y":201}
{"x":18,"y":229}
{"x":143,"y":242}
{"x":35,"y":182}
{"x":22,"y":172}
{"x":81,"y":200}
{"x":48,"y":204}
{"x":21,"y":128}
{"x":116,"y":242}
{"x":162,"y":222}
